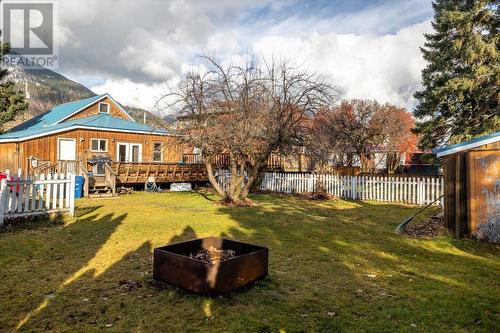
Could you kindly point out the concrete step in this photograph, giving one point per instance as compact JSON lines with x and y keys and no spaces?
{"x":100,"y":195}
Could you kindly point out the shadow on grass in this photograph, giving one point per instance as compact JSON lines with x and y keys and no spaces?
{"x":333,"y":266}
{"x":51,"y":258}
{"x":85,"y":210}
{"x":45,"y":220}
{"x":32,"y":223}
{"x":205,"y":194}
{"x":357,"y":270}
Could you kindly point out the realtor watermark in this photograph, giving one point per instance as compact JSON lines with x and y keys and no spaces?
{"x":28,"y":27}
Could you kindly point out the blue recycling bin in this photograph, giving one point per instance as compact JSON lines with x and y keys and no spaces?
{"x":79,"y":180}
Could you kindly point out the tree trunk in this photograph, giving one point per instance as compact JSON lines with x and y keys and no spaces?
{"x":365,"y":161}
{"x":254,"y":173}
{"x":392,"y":162}
{"x":233,"y":180}
{"x":213,"y":181}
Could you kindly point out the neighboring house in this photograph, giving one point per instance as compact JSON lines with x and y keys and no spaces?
{"x":422,"y":163}
{"x":82,"y":130}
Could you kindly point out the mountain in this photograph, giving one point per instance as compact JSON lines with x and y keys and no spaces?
{"x":46,"y":88}
{"x":151,"y":118}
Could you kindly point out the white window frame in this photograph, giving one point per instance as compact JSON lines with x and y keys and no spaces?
{"x":140,"y":151}
{"x":161,"y":152}
{"x":126,"y":144}
{"x":128,"y":151}
{"x":99,"y":151}
{"x":59,"y":147}
{"x":99,"y":107}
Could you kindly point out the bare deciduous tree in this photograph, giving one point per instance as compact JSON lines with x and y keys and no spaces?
{"x":248,"y":112}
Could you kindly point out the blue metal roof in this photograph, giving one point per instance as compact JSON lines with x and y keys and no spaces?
{"x":102,"y":121}
{"x":476,"y":142}
{"x":56,"y":114}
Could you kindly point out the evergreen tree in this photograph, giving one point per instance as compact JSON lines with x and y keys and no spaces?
{"x":12,"y":101}
{"x":460,"y":99}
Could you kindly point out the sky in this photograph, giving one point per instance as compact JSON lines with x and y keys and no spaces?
{"x":131,"y":49}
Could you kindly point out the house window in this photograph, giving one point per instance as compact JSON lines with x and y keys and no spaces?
{"x":99,"y":145}
{"x":128,"y":152}
{"x":104,"y":107}
{"x":157,"y":152}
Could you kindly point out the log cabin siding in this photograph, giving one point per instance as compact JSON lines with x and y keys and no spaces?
{"x":46,"y":148}
{"x":10,"y":156}
{"x":94,"y":109}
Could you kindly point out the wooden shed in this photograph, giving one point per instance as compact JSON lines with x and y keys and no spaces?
{"x":472,"y":187}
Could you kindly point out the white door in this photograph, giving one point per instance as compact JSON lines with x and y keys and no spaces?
{"x":135,"y":153}
{"x":67,"y":149}
{"x":122,"y":152}
{"x":129,"y":152}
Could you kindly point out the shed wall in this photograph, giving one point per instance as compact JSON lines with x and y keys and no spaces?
{"x":483,"y":196}
{"x":472,"y":189}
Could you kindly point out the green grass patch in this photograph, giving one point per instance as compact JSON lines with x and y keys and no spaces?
{"x":334,"y":266}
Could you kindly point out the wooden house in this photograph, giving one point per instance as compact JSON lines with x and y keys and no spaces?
{"x":472,"y":187}
{"x":86,"y":135}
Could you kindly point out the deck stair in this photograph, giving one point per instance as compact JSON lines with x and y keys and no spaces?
{"x":98,"y":187}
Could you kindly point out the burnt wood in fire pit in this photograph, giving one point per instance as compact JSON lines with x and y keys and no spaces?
{"x":177,"y":264}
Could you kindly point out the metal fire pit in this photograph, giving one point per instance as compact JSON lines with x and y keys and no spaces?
{"x":173,"y":264}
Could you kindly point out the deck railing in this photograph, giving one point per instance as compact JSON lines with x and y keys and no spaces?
{"x":274,"y":161}
{"x":192,"y":158}
{"x":137,"y":173}
{"x":110,"y":178}
{"x":61,"y":166}
{"x":68,"y":166}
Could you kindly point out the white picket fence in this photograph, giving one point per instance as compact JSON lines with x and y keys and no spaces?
{"x":411,"y":190}
{"x":36,"y":195}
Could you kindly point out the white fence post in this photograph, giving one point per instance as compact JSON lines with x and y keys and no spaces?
{"x":3,"y":199}
{"x":410,"y":190}
{"x":354,"y":189}
{"x":72,"y":196}
{"x":23,"y":195}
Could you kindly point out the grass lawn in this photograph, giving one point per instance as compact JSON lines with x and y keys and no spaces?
{"x":334,"y":266}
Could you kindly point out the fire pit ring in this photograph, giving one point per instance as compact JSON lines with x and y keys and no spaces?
{"x":177,"y":264}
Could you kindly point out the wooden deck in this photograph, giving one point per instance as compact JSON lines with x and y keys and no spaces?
{"x":138,"y":173}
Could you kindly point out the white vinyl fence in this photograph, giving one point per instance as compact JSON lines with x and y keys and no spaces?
{"x":411,"y":190}
{"x":36,"y":195}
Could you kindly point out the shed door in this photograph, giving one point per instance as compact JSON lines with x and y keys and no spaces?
{"x":67,"y":149}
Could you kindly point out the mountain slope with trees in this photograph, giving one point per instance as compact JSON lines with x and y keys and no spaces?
{"x":46,"y":89}
{"x":12,"y":101}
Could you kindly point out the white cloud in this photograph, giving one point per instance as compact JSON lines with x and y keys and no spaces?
{"x":385,"y":68}
{"x":370,"y":51}
{"x":131,"y":93}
